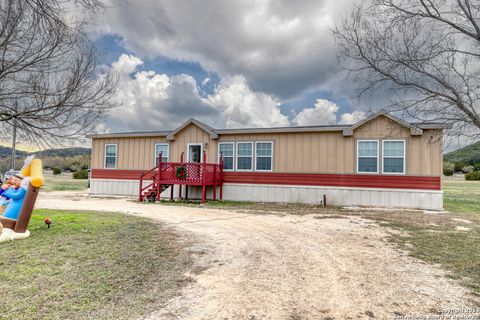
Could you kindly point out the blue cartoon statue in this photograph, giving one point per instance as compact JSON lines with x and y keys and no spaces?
{"x":22,"y":189}
{"x":16,"y":191}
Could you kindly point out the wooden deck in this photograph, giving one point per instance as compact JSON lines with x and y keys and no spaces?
{"x":168,"y":174}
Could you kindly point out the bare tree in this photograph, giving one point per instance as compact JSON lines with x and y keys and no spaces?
{"x":50,"y":86}
{"x":424,"y":53}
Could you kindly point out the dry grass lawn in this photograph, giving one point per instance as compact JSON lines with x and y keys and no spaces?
{"x":90,"y":265}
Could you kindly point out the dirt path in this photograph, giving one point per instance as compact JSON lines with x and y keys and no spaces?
{"x":287,"y":267}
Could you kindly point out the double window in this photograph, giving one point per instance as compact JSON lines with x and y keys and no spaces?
{"x":162,"y":148}
{"x":393,"y":156}
{"x":110,"y":156}
{"x":246,"y":156}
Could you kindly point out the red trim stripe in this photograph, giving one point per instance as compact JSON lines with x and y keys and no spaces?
{"x":305,"y":179}
{"x":336,"y":180}
{"x":116,"y":174}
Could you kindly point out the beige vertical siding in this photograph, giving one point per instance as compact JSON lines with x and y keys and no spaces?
{"x":192,"y":134}
{"x":132,"y":153}
{"x":318,"y":152}
{"x":424,"y":153}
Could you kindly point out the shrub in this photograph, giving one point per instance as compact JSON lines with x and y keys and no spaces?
{"x":459,"y":166}
{"x":467,"y":169}
{"x":448,"y":168}
{"x":80,"y":174}
{"x":473,"y":176}
{"x":56,"y":171}
{"x":476,"y":166}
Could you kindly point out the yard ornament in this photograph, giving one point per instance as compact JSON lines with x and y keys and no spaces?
{"x":23,"y":191}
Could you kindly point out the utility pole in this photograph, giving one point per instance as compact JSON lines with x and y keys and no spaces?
{"x":14,"y":135}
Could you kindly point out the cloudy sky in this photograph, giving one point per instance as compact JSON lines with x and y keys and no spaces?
{"x":228,"y":63}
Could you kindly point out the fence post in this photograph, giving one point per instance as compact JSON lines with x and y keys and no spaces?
{"x":180,"y":186}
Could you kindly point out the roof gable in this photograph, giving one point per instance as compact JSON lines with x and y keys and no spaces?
{"x":414,"y":131}
{"x":201,"y":125}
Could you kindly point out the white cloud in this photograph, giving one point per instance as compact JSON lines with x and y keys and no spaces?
{"x":126,"y":64}
{"x":152,"y":101}
{"x":324,"y":112}
{"x":350,"y":118}
{"x":239,"y":106}
{"x":280,"y":47}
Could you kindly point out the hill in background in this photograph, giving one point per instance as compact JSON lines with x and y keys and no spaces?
{"x":65,"y":152}
{"x":468,"y":155}
{"x":66,"y":159}
{"x":6,"y":152}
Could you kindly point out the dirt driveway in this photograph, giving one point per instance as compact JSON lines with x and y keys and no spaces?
{"x":253,"y":266}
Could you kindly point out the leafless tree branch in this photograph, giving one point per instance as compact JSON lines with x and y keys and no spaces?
{"x":425,"y":53}
{"x":50,"y":85}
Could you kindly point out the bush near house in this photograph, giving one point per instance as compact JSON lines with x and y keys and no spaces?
{"x":476,"y":166}
{"x":448,"y":168}
{"x":467,"y":169}
{"x":459,"y":166}
{"x":80,"y":174}
{"x":473,"y":176}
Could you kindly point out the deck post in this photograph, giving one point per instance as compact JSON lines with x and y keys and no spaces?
{"x":159,"y":175}
{"x":186,"y":192}
{"x":171,"y":192}
{"x":180,"y":186}
{"x":221,"y":177}
{"x":214,"y":182}
{"x":204,"y":176}
{"x":140,"y":197}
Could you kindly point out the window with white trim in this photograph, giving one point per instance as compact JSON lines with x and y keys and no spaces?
{"x":163,"y":148}
{"x":393,"y":156}
{"x":225,"y":149}
{"x":367,"y":156}
{"x":244,"y":156}
{"x":263,"y":156}
{"x":110,"y":156}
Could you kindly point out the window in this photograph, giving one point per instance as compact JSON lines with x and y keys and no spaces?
{"x":263,"y":156}
{"x":244,"y":155}
{"x":225,"y":149}
{"x":110,"y":156}
{"x":393,"y":156}
{"x":367,"y":156}
{"x":163,"y":148}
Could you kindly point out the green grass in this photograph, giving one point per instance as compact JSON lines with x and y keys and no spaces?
{"x":89,"y":265}
{"x":435,"y":238}
{"x":462,"y":197}
{"x":64,"y":182}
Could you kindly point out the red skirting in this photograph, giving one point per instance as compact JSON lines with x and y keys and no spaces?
{"x":304,"y":179}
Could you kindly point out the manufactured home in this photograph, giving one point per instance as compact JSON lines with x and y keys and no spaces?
{"x":379,"y":161}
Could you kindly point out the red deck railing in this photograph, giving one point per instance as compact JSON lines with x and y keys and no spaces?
{"x":194,"y":174}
